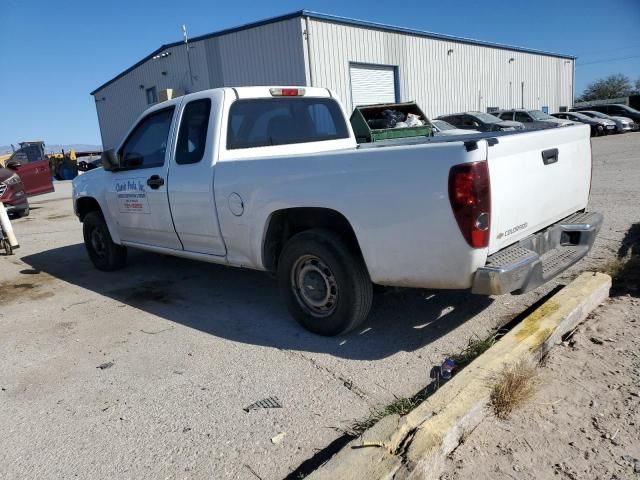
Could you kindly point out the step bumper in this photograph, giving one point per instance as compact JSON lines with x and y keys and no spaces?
{"x":538,"y":258}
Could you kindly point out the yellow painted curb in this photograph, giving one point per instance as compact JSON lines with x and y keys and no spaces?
{"x":415,"y":446}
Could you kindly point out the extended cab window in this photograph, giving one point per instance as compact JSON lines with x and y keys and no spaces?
{"x":522,"y":117}
{"x":147,"y":144}
{"x":283,"y":121}
{"x":192,"y":138}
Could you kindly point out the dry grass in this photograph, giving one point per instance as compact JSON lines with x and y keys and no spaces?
{"x":625,"y":274}
{"x":513,"y":387}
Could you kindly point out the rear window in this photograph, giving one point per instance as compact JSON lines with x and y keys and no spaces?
{"x":283,"y":121}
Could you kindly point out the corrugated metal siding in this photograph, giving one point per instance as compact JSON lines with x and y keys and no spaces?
{"x":264,"y":55}
{"x":267,"y":55}
{"x":471,"y":77}
{"x":120,"y":103}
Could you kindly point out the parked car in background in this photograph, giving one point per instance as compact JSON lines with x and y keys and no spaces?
{"x":33,"y":167}
{"x":598,"y":126}
{"x":614,"y":110}
{"x":532,"y":119}
{"x":13,"y":194}
{"x":440,"y":127}
{"x":620,"y":124}
{"x":480,"y":121}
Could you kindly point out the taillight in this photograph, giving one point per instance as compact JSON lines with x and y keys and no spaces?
{"x":470,"y":197}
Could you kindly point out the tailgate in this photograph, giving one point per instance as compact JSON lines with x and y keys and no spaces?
{"x":537,"y":178}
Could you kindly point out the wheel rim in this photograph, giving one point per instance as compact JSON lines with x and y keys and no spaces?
{"x":314,"y":286}
{"x":98,"y":242}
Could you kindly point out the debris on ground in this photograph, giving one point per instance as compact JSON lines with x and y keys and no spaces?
{"x":104,"y":366}
{"x":278,"y":438}
{"x":269,"y":402}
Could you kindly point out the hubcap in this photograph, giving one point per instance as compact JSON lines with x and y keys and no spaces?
{"x":314,"y":285}
{"x":98,"y":242}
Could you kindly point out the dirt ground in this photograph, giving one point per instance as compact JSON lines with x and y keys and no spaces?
{"x":146,"y":372}
{"x":584,"y":421}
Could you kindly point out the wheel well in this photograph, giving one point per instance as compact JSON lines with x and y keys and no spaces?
{"x":85,"y":205}
{"x":284,"y":224}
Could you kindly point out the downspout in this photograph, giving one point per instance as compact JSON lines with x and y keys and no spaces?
{"x":573,"y":82}
{"x":307,"y":36}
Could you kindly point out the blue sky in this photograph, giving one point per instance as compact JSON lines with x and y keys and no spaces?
{"x":52,"y":54}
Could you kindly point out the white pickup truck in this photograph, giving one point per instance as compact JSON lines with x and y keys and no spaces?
{"x":273,"y":179}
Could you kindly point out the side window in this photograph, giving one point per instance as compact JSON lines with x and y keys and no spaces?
{"x":192,"y":138}
{"x":523,"y":117}
{"x":28,"y":154}
{"x":147,"y":144}
{"x":506,"y":115}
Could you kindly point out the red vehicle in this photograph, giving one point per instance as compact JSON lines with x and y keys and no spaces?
{"x":13,"y":194}
{"x":26,"y":174}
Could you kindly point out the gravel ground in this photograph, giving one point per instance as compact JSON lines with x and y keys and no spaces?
{"x":191,"y":344}
{"x":583,"y":423}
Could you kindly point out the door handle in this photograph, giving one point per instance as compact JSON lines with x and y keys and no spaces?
{"x":550,"y":156}
{"x":155,"y":181}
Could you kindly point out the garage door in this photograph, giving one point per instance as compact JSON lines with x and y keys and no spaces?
{"x":372,"y":84}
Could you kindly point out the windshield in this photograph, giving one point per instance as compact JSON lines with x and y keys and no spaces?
{"x":598,"y":114}
{"x":485,"y":117}
{"x":442,"y":125}
{"x":539,"y":115}
{"x":581,"y":116}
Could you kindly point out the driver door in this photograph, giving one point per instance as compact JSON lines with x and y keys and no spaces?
{"x":137,"y":193}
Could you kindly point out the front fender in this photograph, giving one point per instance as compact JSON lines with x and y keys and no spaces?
{"x":93,"y":185}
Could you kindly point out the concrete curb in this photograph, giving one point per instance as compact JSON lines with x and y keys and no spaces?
{"x":416,"y":446}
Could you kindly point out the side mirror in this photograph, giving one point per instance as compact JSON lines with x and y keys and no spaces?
{"x":110,"y":160}
{"x":13,"y":164}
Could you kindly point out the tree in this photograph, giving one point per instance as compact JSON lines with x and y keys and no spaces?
{"x":637,"y":89}
{"x":613,"y":86}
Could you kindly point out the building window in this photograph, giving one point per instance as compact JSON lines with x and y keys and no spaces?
{"x":152,"y":95}
{"x":492,"y":109}
{"x":564,"y":109}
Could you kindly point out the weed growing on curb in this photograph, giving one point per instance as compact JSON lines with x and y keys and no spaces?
{"x":400,"y":406}
{"x":513,"y":387}
{"x":475,"y":347}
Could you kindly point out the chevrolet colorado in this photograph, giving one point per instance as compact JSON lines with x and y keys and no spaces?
{"x":271,"y":178}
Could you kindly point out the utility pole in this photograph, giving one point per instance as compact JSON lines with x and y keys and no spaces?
{"x":186,"y":43}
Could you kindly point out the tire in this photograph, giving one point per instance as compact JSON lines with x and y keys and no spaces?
{"x":339,"y":293}
{"x":22,"y":213}
{"x":105,"y":255}
{"x":6,"y":246}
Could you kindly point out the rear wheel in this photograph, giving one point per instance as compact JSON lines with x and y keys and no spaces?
{"x":325,"y":285}
{"x":105,"y":255}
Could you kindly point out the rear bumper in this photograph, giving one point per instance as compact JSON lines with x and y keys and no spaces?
{"x":538,"y":258}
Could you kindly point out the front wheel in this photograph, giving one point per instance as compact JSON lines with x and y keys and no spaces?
{"x":325,"y":285}
{"x":105,"y":255}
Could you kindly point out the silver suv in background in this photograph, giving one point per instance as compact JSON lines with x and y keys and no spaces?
{"x":598,"y":126}
{"x":620,"y":124}
{"x":532,"y":119}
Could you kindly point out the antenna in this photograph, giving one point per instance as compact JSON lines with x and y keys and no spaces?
{"x":186,"y":43}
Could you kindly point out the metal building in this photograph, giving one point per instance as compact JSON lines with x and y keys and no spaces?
{"x":362,"y":62}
